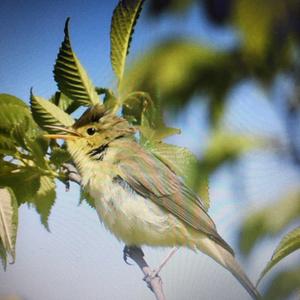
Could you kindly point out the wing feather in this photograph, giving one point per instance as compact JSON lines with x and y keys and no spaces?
{"x":152,"y":179}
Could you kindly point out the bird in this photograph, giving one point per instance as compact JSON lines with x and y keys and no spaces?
{"x":139,"y":198}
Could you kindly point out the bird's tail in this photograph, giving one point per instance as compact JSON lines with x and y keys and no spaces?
{"x":227,"y":260}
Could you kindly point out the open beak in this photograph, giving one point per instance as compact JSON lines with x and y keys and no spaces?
{"x":70,"y":133}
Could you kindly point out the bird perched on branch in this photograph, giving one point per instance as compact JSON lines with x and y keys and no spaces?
{"x":138,"y":197}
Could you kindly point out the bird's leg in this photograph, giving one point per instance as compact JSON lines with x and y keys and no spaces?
{"x":133,"y":252}
{"x":163,"y":263}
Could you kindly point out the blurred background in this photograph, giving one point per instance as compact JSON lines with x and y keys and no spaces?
{"x":222,"y":71}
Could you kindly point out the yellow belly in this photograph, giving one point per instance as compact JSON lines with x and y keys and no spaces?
{"x":136,"y":220}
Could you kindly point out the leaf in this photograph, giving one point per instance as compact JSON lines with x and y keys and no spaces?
{"x":226,"y":147}
{"x":139,"y":109}
{"x":270,"y":220}
{"x":71,"y":77}
{"x":182,"y":162}
{"x":288,"y":244}
{"x":123,"y":22}
{"x":13,"y":112}
{"x":44,"y":198}
{"x":59,"y":156}
{"x":7,"y":146}
{"x":8,"y":220}
{"x":64,"y":103}
{"x":84,"y":196}
{"x":284,"y":285}
{"x":3,"y":255}
{"x":46,"y":113}
{"x":24,"y":181}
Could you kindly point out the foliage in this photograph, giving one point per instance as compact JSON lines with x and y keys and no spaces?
{"x":184,"y":68}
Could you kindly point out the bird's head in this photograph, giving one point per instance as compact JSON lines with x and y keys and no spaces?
{"x":96,"y":128}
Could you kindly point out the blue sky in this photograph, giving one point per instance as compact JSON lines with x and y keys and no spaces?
{"x":79,"y":259}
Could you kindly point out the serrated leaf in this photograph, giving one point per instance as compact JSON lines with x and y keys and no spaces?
{"x":46,"y":113}
{"x":288,"y":244}
{"x":44,"y":198}
{"x":71,"y":77}
{"x":182,"y":162}
{"x":8,"y":220}
{"x":123,"y":22}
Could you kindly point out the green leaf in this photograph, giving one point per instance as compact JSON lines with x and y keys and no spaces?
{"x":284,"y":285}
{"x":3,"y":255}
{"x":182,"y":162}
{"x":7,"y":146}
{"x":123,"y":22}
{"x":270,"y":220}
{"x":64,"y":103}
{"x":24,"y":181}
{"x":226,"y":147}
{"x":139,"y":109}
{"x":288,"y":244}
{"x":13,"y":112}
{"x":8,"y":220}
{"x":44,"y":198}
{"x":59,"y":156}
{"x":71,"y":77}
{"x":46,"y":113}
{"x":84,"y":196}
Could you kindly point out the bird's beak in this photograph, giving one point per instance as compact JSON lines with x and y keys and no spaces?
{"x":71,"y":134}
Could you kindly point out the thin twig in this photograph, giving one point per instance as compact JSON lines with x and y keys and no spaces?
{"x":135,"y":253}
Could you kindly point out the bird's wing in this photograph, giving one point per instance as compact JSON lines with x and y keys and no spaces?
{"x":152,"y":179}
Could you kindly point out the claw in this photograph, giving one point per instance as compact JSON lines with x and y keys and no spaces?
{"x":126,"y":254}
{"x":130,"y":251}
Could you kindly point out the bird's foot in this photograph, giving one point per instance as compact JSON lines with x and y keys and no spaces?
{"x":149,"y":277}
{"x":131,"y":251}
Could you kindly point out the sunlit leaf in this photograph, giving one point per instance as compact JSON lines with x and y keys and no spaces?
{"x":13,"y":112}
{"x":270,"y":220}
{"x":71,"y":77}
{"x":8,"y":220}
{"x":44,"y":198}
{"x":123,"y":22}
{"x":288,"y":244}
{"x":284,"y":285}
{"x":46,"y":113}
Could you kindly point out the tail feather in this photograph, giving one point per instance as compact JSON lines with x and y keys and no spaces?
{"x":227,"y":260}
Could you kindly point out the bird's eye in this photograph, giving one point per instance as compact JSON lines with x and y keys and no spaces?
{"x":91,"y":131}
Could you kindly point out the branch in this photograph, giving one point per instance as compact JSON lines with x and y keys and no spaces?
{"x":135,"y":253}
{"x":154,"y":282}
